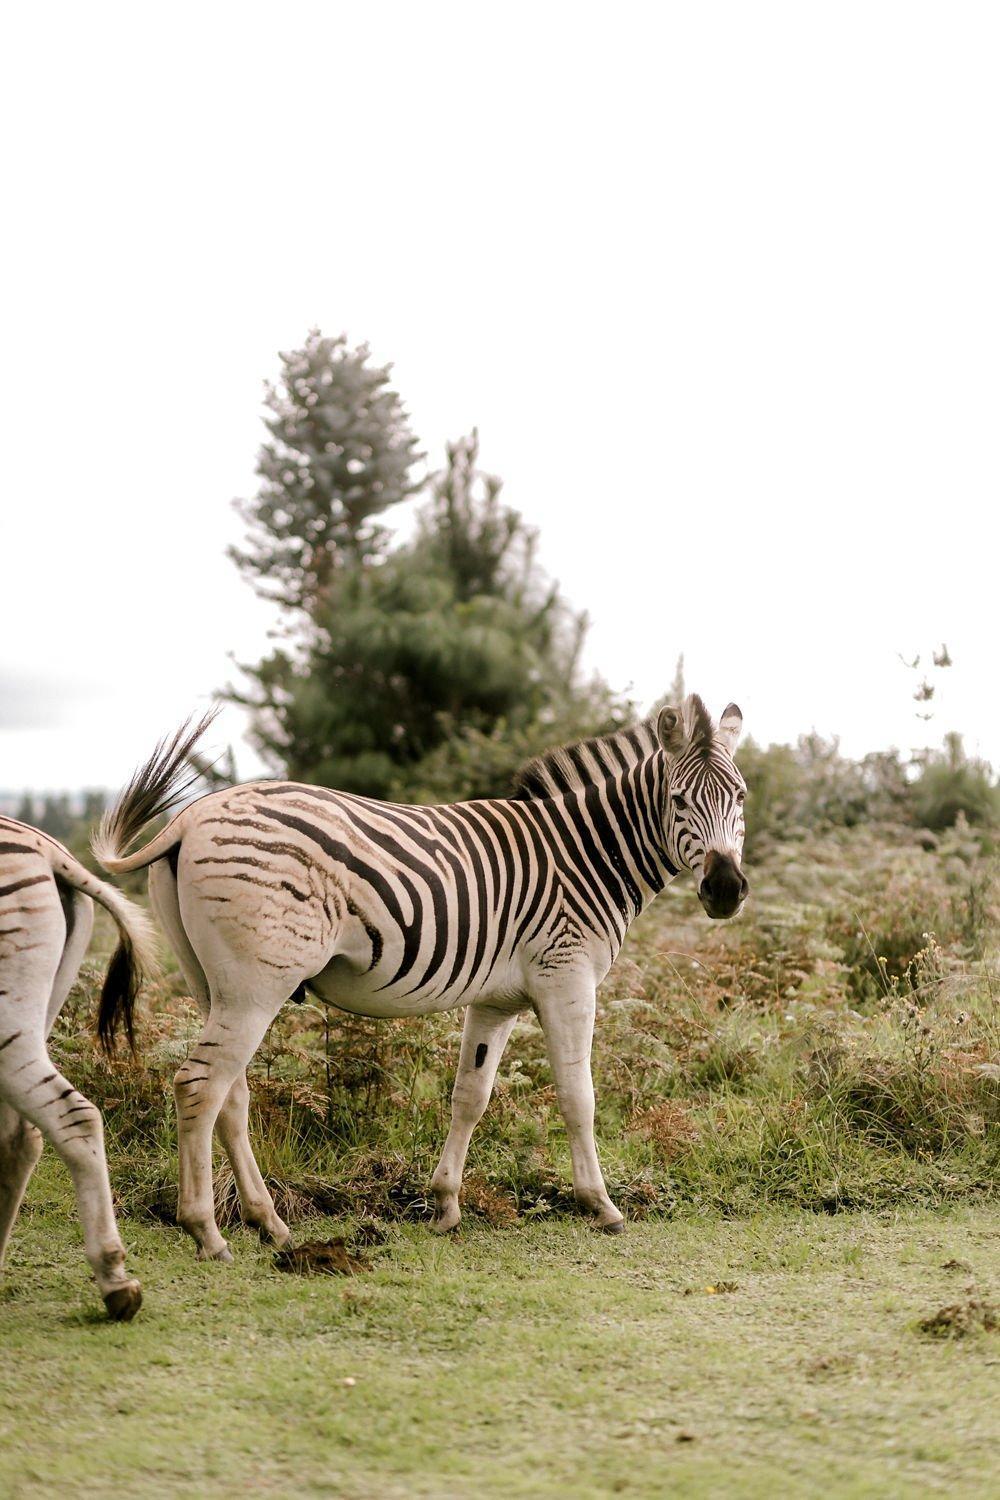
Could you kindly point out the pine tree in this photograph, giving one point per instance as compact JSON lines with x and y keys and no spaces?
{"x":455,"y":633}
{"x":340,"y":453}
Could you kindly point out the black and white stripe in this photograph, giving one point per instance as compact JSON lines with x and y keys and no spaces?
{"x":46,"y":917}
{"x":391,"y":910}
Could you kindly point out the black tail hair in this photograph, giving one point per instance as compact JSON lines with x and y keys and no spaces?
{"x":155,"y":788}
{"x":118,"y":997}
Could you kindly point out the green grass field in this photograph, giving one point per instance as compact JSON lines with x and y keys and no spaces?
{"x":542,"y":1359}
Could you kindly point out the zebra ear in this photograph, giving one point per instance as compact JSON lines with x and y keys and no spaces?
{"x":730,"y":727}
{"x":670,"y":730}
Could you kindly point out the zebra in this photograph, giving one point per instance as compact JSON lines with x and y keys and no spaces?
{"x":46,"y":918}
{"x":500,"y":905}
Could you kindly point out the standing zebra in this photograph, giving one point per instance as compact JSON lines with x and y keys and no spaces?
{"x":383,"y":910}
{"x":46,"y":917}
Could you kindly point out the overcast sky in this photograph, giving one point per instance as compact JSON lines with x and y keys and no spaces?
{"x":718,"y":283}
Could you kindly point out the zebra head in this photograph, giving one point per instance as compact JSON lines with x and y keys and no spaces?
{"x":702,"y":809}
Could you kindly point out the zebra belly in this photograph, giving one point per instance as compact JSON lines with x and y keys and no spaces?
{"x":366,"y":994}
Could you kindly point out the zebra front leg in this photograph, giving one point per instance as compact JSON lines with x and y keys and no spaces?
{"x":484,"y":1036}
{"x":566,"y":1011}
{"x":231,"y":1036}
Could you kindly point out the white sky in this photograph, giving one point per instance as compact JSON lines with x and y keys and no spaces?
{"x":720,"y":285}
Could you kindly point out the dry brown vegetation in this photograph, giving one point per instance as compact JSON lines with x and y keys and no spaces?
{"x":838,"y":1046}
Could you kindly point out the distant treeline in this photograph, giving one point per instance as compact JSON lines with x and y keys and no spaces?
{"x":810,"y":787}
{"x":66,"y":815}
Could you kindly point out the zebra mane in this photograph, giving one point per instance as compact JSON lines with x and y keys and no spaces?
{"x":586,"y":762}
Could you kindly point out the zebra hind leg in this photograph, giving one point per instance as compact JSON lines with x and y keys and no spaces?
{"x":41,"y":1095}
{"x":232,"y":1125}
{"x":231,"y":1036}
{"x":38,"y":1101}
{"x":484,"y":1036}
{"x":20,"y":1148}
{"x":256,"y":1203}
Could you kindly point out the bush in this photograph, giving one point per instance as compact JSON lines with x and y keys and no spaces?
{"x":811,"y":787}
{"x":951,"y":787}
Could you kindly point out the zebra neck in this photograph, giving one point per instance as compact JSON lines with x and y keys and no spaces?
{"x":607,"y":843}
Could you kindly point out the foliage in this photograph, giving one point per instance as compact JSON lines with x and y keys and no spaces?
{"x":455,"y":634}
{"x":951,"y":786}
{"x":812,"y":787}
{"x":340,"y":453}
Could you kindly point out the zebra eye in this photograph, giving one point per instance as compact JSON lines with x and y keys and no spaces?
{"x":680,"y":801}
{"x":741,"y":797}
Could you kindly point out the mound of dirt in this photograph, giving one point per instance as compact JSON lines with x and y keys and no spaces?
{"x":320,"y":1258}
{"x":961,"y":1318}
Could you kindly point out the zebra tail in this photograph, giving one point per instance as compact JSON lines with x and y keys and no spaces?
{"x":118,"y":996}
{"x":132,"y":964}
{"x":154,"y":789}
{"x":134,"y":960}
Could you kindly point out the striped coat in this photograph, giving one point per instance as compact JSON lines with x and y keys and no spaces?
{"x":387,"y":910}
{"x":46,"y":917}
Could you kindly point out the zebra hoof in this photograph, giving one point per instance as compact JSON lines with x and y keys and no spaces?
{"x":275,"y":1235}
{"x":446,"y":1219}
{"x":617,"y":1226}
{"x":225,"y":1255}
{"x":124,"y":1302}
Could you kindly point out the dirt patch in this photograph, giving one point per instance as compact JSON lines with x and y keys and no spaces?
{"x":959,"y":1319}
{"x":320,"y":1258}
{"x":497,"y":1208}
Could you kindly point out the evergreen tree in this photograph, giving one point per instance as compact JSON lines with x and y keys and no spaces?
{"x":340,"y":453}
{"x":456,"y":632}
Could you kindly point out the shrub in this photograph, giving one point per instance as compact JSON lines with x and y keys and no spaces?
{"x":952,"y":787}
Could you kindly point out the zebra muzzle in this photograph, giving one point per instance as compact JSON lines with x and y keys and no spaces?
{"x":724,"y":887}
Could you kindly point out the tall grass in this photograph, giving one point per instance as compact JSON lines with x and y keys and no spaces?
{"x":839,"y":1046}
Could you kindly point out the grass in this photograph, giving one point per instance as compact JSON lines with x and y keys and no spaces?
{"x":537,"y":1360}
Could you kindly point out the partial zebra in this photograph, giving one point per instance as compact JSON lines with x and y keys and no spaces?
{"x":384,"y":910}
{"x":46,"y":918}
